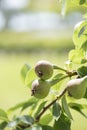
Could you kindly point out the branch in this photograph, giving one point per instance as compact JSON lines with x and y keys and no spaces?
{"x":44,"y":109}
{"x":49,"y":105}
{"x":69,"y":74}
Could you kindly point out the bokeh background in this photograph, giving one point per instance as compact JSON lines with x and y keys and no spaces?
{"x":32,"y":30}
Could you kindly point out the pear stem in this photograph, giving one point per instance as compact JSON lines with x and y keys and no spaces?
{"x":59,"y":68}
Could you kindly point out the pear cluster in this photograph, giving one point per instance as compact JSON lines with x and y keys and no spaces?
{"x":41,"y":87}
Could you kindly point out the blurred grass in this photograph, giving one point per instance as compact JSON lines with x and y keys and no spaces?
{"x":28,"y":42}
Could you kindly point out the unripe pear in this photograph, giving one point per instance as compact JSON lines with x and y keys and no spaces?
{"x":40,"y":88}
{"x":77,"y":87}
{"x":44,"y":69}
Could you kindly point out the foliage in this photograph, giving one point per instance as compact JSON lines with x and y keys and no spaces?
{"x":52,"y":112}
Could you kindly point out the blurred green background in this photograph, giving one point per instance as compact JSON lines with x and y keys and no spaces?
{"x":32,"y":30}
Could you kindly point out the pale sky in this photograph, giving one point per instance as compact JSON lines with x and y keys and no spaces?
{"x":14,"y":4}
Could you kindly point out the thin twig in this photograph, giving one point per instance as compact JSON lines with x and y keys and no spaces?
{"x":49,"y":105}
{"x":59,"y":68}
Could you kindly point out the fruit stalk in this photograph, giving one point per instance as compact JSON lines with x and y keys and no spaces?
{"x":59,"y":68}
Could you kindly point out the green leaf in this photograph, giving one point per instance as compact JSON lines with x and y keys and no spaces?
{"x":34,"y":128}
{"x":39,"y":108}
{"x":24,"y":71}
{"x":3,"y":125}
{"x":17,"y":128}
{"x":46,"y":127}
{"x":85,"y":96}
{"x":58,"y":76}
{"x":84,"y":46}
{"x":65,"y":107}
{"x":76,"y":56}
{"x":82,"y":71}
{"x":3,"y":115}
{"x":23,"y":105}
{"x":13,"y":124}
{"x":23,"y":120}
{"x":46,"y":119}
{"x":26,"y":120}
{"x":78,"y":108}
{"x":29,"y":104}
{"x":63,"y":123}
{"x":85,"y":15}
{"x":80,"y":32}
{"x":79,"y":2}
{"x":56,"y":111}
{"x":30,"y":77}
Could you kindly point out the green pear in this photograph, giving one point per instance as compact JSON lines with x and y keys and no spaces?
{"x":44,"y":69}
{"x":40,"y":88}
{"x":77,"y":87}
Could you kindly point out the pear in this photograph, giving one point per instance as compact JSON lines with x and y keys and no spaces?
{"x":40,"y":88}
{"x":44,"y":69}
{"x":77,"y":87}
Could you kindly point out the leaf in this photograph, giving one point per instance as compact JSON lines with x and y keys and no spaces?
{"x":23,"y":105}
{"x":76,"y":56}
{"x":85,"y":96}
{"x":85,"y":15}
{"x":84,"y":46}
{"x":34,"y":128}
{"x":26,"y":120}
{"x":58,"y":76}
{"x":39,"y":108}
{"x":82,"y":71}
{"x":56,"y":111}
{"x":17,"y":128}
{"x":65,"y":107}
{"x":78,"y":108}
{"x":3,"y":125}
{"x":3,"y":115}
{"x":13,"y":124}
{"x":30,"y":77}
{"x":23,"y":120}
{"x":79,"y":2}
{"x":46,"y":127}
{"x":29,"y":104}
{"x":24,"y":71}
{"x":46,"y":119}
{"x":63,"y":123}
{"x":79,"y":36}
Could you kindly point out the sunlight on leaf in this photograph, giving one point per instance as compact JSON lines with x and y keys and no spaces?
{"x":63,"y":123}
{"x":76,"y":56}
{"x":56,"y":111}
{"x":3,"y":115}
{"x":24,"y":71}
{"x":46,"y":119}
{"x":78,"y":108}
{"x":30,"y":77}
{"x":80,"y":31}
{"x":66,"y":107}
